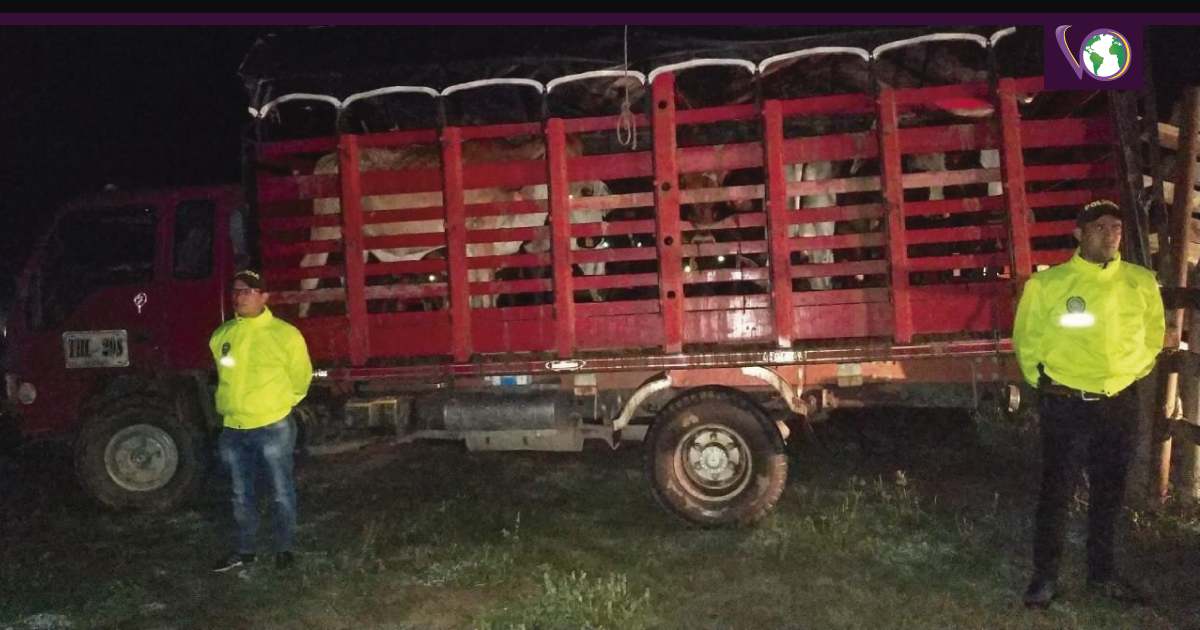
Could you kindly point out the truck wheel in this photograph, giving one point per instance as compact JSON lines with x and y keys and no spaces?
{"x":714,"y":458}
{"x":140,"y":453}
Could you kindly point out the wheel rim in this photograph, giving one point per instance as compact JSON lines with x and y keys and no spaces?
{"x":713,"y":462}
{"x":141,"y":458}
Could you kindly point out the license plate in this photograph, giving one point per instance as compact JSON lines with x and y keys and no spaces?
{"x":96,"y":348}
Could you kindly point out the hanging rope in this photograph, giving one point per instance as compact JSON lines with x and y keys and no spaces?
{"x":626,"y":123}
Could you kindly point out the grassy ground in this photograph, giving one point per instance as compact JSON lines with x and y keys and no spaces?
{"x":893,"y":520}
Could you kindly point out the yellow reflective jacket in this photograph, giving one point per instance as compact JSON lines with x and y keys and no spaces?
{"x":263,"y":370}
{"x":1097,"y":328}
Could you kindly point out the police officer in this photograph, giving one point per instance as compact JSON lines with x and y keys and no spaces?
{"x":1085,"y":332}
{"x":264,"y":371}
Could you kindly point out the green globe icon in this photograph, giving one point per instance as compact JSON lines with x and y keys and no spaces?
{"x":1105,"y":55}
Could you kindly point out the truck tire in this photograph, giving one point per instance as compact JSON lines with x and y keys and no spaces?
{"x":140,"y":452}
{"x":714,"y":458}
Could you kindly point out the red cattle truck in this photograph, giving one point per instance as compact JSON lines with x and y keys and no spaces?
{"x":694,"y":249}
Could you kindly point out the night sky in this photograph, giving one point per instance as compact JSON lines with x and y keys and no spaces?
{"x":82,"y":107}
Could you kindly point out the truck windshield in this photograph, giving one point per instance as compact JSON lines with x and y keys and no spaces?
{"x":90,"y":249}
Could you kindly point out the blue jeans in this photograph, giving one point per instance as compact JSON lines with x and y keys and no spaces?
{"x":244,"y":453}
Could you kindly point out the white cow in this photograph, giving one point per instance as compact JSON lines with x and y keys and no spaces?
{"x":814,"y":171}
{"x":427,"y":157}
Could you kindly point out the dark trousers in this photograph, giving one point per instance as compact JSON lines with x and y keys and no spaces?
{"x":1072,"y":427}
